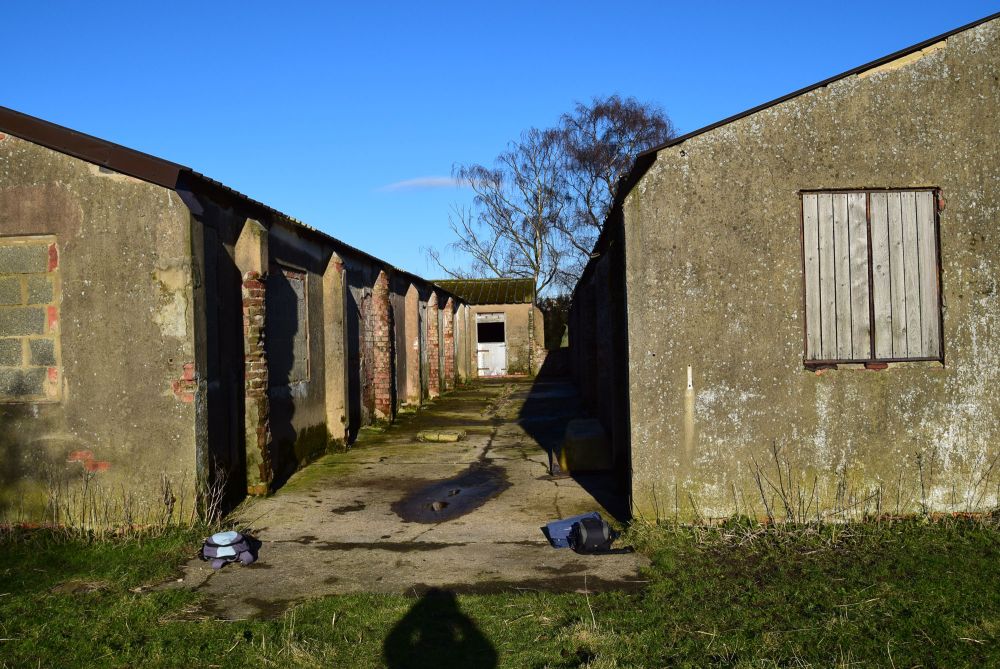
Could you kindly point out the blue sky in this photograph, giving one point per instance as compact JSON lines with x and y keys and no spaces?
{"x":350,"y":116}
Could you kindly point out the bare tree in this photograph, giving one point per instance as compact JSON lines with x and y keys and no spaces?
{"x":538,"y":212}
{"x":511,"y":229}
{"x":599,"y":142}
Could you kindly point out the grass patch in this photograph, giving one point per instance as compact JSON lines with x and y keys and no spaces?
{"x":897,"y":594}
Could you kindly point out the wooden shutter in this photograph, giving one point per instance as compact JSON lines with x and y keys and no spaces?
{"x":905,"y":291}
{"x":835,"y":255}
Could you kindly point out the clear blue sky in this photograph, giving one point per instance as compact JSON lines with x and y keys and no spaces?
{"x":318,"y":109}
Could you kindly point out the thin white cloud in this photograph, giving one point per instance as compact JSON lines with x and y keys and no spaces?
{"x":422,"y":183}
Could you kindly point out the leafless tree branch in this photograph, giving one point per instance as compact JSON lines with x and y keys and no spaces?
{"x":537,"y":213}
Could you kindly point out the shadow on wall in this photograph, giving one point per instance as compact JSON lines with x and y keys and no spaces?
{"x":552,"y":403}
{"x":352,"y":314}
{"x":282,"y":326}
{"x":435,"y":634}
{"x":393,"y":385}
{"x":226,"y":463}
{"x":24,"y":465}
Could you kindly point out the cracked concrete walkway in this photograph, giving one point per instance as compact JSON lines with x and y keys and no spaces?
{"x":363,"y":521}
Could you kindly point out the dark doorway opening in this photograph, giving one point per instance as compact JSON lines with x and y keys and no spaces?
{"x":491,"y":333}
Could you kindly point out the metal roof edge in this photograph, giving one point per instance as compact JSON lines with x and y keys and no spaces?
{"x":275,"y":216}
{"x":90,"y":149}
{"x":158,"y":171}
{"x":531,"y":294}
{"x":826,"y":82}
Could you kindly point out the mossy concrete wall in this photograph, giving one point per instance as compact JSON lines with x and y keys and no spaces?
{"x":122,"y":424}
{"x":714,"y":283}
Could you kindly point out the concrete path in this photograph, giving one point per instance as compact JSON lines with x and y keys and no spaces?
{"x":399,"y":515}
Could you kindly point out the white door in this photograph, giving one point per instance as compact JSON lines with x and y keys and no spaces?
{"x":492,"y":359}
{"x":491,"y":348}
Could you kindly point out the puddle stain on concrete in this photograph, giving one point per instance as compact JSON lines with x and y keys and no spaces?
{"x":358,"y":505}
{"x":451,"y":498}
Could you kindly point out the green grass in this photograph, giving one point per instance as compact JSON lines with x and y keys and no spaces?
{"x":900,"y":594}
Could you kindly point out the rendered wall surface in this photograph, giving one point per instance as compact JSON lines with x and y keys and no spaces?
{"x":120,"y":404}
{"x":714,"y":283}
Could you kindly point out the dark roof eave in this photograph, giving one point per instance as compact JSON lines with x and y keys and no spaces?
{"x":826,"y":82}
{"x":162,"y":173}
{"x":91,"y":149}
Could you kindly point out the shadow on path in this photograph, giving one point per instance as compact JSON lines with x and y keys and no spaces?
{"x":551,"y":404}
{"x":435,"y":633}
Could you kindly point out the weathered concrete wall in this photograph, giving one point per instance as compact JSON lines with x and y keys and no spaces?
{"x":156,"y":344}
{"x":409,"y":347}
{"x":463,"y":355}
{"x":522,"y":353}
{"x":123,"y":409}
{"x":714,"y":283}
{"x":448,"y":349}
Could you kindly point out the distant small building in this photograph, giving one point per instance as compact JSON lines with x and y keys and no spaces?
{"x":509,"y":332}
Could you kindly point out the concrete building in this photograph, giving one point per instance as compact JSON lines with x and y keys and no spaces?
{"x":171,"y":341}
{"x":803,"y":301}
{"x":507,"y":328}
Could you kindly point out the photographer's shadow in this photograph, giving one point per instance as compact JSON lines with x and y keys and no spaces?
{"x":435,"y":633}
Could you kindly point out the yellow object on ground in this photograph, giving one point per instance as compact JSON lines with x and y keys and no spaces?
{"x":441,"y":436}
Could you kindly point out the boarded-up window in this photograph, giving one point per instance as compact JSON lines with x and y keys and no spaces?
{"x":286,"y":327}
{"x":29,"y":319}
{"x":871,"y":276}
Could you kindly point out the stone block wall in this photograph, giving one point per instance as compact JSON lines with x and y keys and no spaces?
{"x":29,"y":319}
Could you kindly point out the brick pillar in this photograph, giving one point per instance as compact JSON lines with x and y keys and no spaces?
{"x":382,"y":348}
{"x":433,"y":348}
{"x":367,"y":344}
{"x":449,"y":344}
{"x":255,"y":379}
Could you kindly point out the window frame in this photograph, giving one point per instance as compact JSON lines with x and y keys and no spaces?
{"x":873,"y":361}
